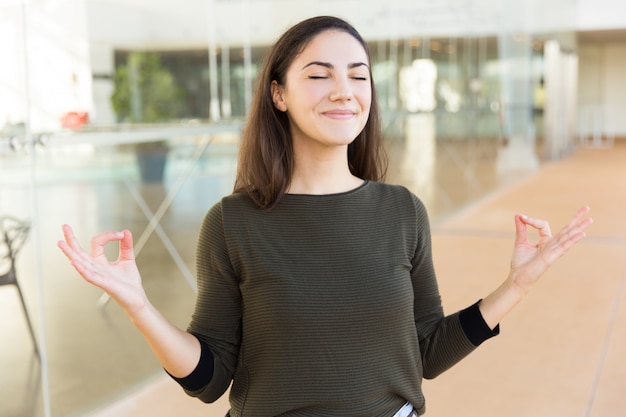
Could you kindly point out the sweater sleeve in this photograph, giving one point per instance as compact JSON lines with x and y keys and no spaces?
{"x":201,"y":375}
{"x":443,"y":340}
{"x":474,"y":325}
{"x":216,"y":320}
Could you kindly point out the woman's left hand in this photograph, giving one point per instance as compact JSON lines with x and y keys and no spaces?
{"x":531,"y":260}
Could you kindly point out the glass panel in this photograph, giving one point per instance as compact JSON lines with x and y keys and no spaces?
{"x":23,"y":387}
{"x":454,"y":80}
{"x":104,"y":186}
{"x":139,"y":101}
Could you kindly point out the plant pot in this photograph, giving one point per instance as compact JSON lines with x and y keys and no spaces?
{"x":151,"y":166}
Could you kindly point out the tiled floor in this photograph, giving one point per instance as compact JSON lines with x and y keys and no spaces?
{"x":560,"y":352}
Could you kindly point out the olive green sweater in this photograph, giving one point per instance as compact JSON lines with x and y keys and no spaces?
{"x":327,"y":305}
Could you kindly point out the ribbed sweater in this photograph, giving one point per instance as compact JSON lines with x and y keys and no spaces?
{"x":326,"y":305}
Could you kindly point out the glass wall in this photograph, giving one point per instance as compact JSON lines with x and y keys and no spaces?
{"x":20,"y":313}
{"x":127,"y":115}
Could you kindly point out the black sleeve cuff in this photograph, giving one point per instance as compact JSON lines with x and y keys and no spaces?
{"x":474,"y":326}
{"x":202,"y":374}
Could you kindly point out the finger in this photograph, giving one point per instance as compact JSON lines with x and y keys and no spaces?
{"x":98,"y":242}
{"x":126,"y":246}
{"x":579,"y":220}
{"x":582,"y":211}
{"x":578,"y":223}
{"x":70,"y":238}
{"x":70,"y":246}
{"x":577,"y":228}
{"x":66,"y":249}
{"x":563,"y":244}
{"x":542,"y":226}
{"x":88,"y":270}
{"x":521,"y":234}
{"x":79,"y":259}
{"x":574,"y":232}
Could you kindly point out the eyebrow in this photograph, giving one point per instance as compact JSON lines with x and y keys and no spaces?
{"x":331,"y":66}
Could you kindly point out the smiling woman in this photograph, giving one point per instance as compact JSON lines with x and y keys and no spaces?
{"x":317,"y":294}
{"x":327,"y":95}
{"x":322,"y":55}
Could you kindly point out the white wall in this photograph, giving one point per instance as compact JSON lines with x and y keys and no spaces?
{"x":184,"y":22}
{"x":54,"y":74}
{"x":602,"y":70}
{"x":12,"y":100}
{"x":615,"y":87}
{"x":602,"y":87}
{"x":601,"y":14}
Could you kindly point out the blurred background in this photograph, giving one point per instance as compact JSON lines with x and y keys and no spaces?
{"x":126,"y":114}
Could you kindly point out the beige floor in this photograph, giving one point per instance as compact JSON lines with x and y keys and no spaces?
{"x":561,"y":352}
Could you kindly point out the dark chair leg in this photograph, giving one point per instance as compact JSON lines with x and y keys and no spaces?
{"x":30,"y":325}
{"x":14,"y":233}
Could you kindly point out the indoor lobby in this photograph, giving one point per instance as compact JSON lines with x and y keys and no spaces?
{"x":489,"y":108}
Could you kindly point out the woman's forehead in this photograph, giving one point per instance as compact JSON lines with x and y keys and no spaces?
{"x":333,"y":45}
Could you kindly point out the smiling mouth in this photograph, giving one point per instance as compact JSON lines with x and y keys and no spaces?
{"x":339,"y":114}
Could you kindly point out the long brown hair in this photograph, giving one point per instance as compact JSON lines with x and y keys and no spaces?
{"x":266,"y":157}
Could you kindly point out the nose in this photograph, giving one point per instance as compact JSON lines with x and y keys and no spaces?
{"x":341,"y":90}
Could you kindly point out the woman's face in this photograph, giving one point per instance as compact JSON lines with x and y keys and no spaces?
{"x":327,"y":92}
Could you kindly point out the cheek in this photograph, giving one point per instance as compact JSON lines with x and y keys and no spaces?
{"x":306,"y":98}
{"x":363,"y":91}
{"x":364,"y":97}
{"x":315,"y":92}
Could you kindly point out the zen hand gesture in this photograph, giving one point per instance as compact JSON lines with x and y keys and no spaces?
{"x":530,"y":260}
{"x":120,"y":278}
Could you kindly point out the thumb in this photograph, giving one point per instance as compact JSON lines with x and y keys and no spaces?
{"x":126,"y":246}
{"x":521,"y":233}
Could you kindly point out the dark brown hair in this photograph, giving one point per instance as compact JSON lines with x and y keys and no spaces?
{"x":266,"y":159}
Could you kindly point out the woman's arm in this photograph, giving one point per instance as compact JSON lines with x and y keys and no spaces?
{"x":177,"y":351}
{"x":530,"y":261}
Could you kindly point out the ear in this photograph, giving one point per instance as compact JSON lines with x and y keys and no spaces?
{"x":277,"y":96}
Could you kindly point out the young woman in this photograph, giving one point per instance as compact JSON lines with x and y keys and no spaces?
{"x":316,"y":289}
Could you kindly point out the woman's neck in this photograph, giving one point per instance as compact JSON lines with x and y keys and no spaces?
{"x":322,"y":175}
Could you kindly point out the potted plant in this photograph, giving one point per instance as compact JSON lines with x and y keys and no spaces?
{"x":145,"y":92}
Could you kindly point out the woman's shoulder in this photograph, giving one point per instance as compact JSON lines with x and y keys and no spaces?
{"x":388,"y":187}
{"x":236,"y":197}
{"x":230,"y":211}
{"x":230,"y":203}
{"x":395,"y":192}
{"x":235,"y":203}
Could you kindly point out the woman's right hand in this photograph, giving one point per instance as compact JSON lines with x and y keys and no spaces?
{"x":120,"y":279}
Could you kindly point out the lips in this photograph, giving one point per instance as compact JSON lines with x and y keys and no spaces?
{"x":340,"y":114}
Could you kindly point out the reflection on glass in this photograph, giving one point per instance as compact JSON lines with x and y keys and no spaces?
{"x":418,"y":158}
{"x":417,"y":85}
{"x":144,"y":90}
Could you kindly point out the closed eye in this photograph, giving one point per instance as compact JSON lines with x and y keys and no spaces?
{"x":317,"y":77}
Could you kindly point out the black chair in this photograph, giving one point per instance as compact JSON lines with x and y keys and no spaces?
{"x":14,"y":234}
